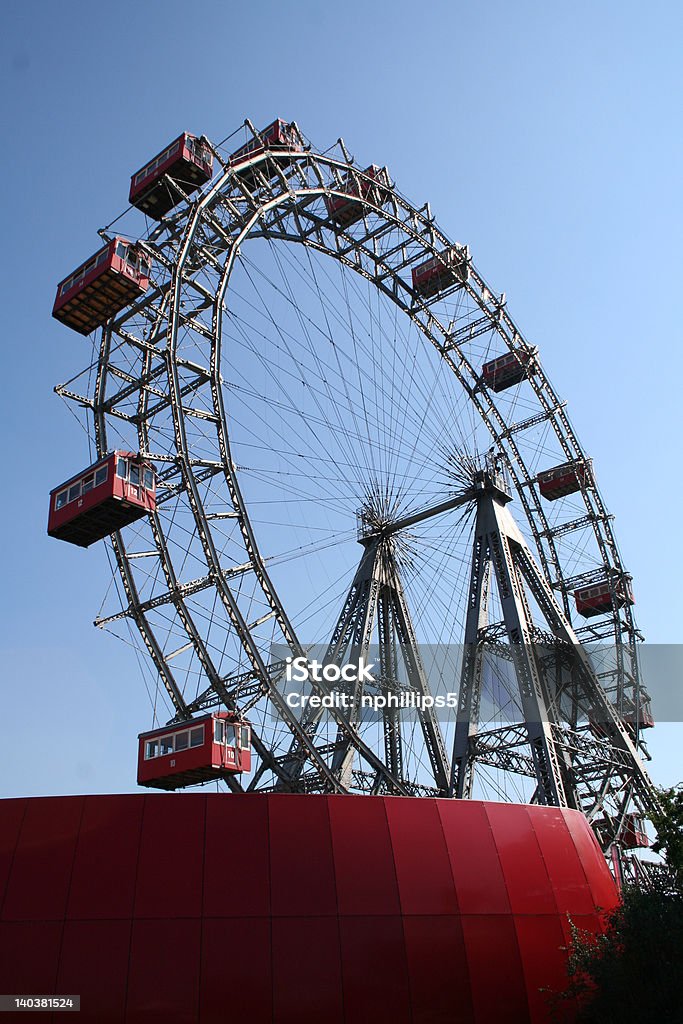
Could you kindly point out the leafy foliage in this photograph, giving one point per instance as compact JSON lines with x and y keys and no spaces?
{"x":633,"y":972}
{"x":668,"y":821}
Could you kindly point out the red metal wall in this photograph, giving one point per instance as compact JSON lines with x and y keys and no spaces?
{"x":273,"y":908}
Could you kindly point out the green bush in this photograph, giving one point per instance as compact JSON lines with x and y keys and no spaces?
{"x":633,"y":972}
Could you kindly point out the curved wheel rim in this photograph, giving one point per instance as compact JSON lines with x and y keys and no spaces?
{"x":146,"y":362}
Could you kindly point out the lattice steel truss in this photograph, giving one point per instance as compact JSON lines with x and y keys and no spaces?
{"x":203,"y":580}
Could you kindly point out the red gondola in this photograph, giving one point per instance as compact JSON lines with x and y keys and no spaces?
{"x":102,"y":286}
{"x":508,"y":369}
{"x":367,"y":185}
{"x":201,"y":750}
{"x":634,"y":835}
{"x":187,"y":161}
{"x":602,"y":597}
{"x":107,"y":496}
{"x":280,"y":137}
{"x":564,"y":479}
{"x":644,"y":719}
{"x":642,"y":716}
{"x":440,"y":272}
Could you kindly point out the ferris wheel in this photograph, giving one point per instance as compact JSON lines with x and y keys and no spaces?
{"x":351,"y":454}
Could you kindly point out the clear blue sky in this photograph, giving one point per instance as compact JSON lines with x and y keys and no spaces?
{"x":546,"y":136}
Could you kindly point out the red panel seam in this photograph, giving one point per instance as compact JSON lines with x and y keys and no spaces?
{"x":14,"y":853}
{"x":133,"y":918}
